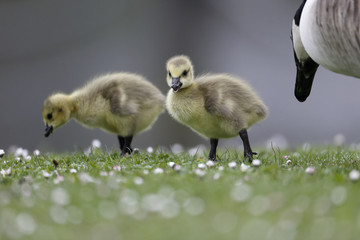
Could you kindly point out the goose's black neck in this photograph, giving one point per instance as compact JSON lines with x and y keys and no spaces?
{"x":298,"y":13}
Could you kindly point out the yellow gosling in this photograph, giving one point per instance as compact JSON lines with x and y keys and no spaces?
{"x":213,"y":105}
{"x":124,"y":104}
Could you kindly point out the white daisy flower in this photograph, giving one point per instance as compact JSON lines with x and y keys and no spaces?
{"x":256,"y":162}
{"x":150,"y":150}
{"x":216,"y":176}
{"x":310,"y":170}
{"x":96,"y":143}
{"x":117,"y":168}
{"x":59,"y":179}
{"x":210,"y":163}
{"x":158,"y":171}
{"x":21,"y":152}
{"x":36,"y":152}
{"x":201,"y":165}
{"x":46,"y":174}
{"x":2,"y":152}
{"x":171,"y":164}
{"x":177,"y":148}
{"x":244,"y":167}
{"x":177,"y":167}
{"x":232,"y":164}
{"x":5,"y":172}
{"x":354,"y":175}
{"x":200,"y":172}
{"x":136,"y":151}
{"x":138,"y":180}
{"x":339,"y":140}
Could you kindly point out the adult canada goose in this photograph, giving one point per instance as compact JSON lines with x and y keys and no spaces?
{"x":213,"y":105}
{"x":124,"y":104}
{"x":326,"y":33}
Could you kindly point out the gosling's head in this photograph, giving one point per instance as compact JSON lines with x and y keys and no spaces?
{"x":56,"y":112}
{"x":180,"y":72}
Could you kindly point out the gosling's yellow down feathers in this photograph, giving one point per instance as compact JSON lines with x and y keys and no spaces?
{"x":213,"y":105}
{"x":124,"y":104}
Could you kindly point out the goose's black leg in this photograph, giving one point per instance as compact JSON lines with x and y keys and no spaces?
{"x":248,"y":153}
{"x":213,"y":146}
{"x":121,"y":142}
{"x":127,"y":146}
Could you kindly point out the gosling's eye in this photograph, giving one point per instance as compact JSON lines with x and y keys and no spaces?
{"x":49,"y":116}
{"x":185,"y":73}
{"x":170,"y":74}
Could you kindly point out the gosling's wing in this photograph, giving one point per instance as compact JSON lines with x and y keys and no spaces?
{"x":230,"y":97}
{"x":118,"y":101}
{"x":214,"y":107}
{"x":122,"y":109}
{"x":213,"y":101}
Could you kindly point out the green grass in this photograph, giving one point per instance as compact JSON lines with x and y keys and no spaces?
{"x":273,"y":201}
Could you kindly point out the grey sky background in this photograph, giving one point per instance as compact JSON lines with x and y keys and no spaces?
{"x":48,"y":46}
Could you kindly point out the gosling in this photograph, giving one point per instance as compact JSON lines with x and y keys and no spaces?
{"x":122,"y":103}
{"x":213,"y":105}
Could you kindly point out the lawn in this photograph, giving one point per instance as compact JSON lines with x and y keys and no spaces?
{"x":307,"y":193}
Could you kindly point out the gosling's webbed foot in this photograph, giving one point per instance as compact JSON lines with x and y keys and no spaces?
{"x":125,"y":145}
{"x":126,"y":152}
{"x":213,"y":158}
{"x":249,"y":156}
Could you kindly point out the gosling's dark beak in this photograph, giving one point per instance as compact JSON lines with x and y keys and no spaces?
{"x":48,"y":130}
{"x":176,"y":84}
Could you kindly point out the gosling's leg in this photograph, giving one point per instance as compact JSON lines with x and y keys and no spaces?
{"x":248,"y":153}
{"x":213,"y":146}
{"x":127,"y":146}
{"x":121,"y":142}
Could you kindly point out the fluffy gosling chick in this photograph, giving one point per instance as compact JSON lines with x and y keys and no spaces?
{"x":213,"y":105}
{"x":124,"y":104}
